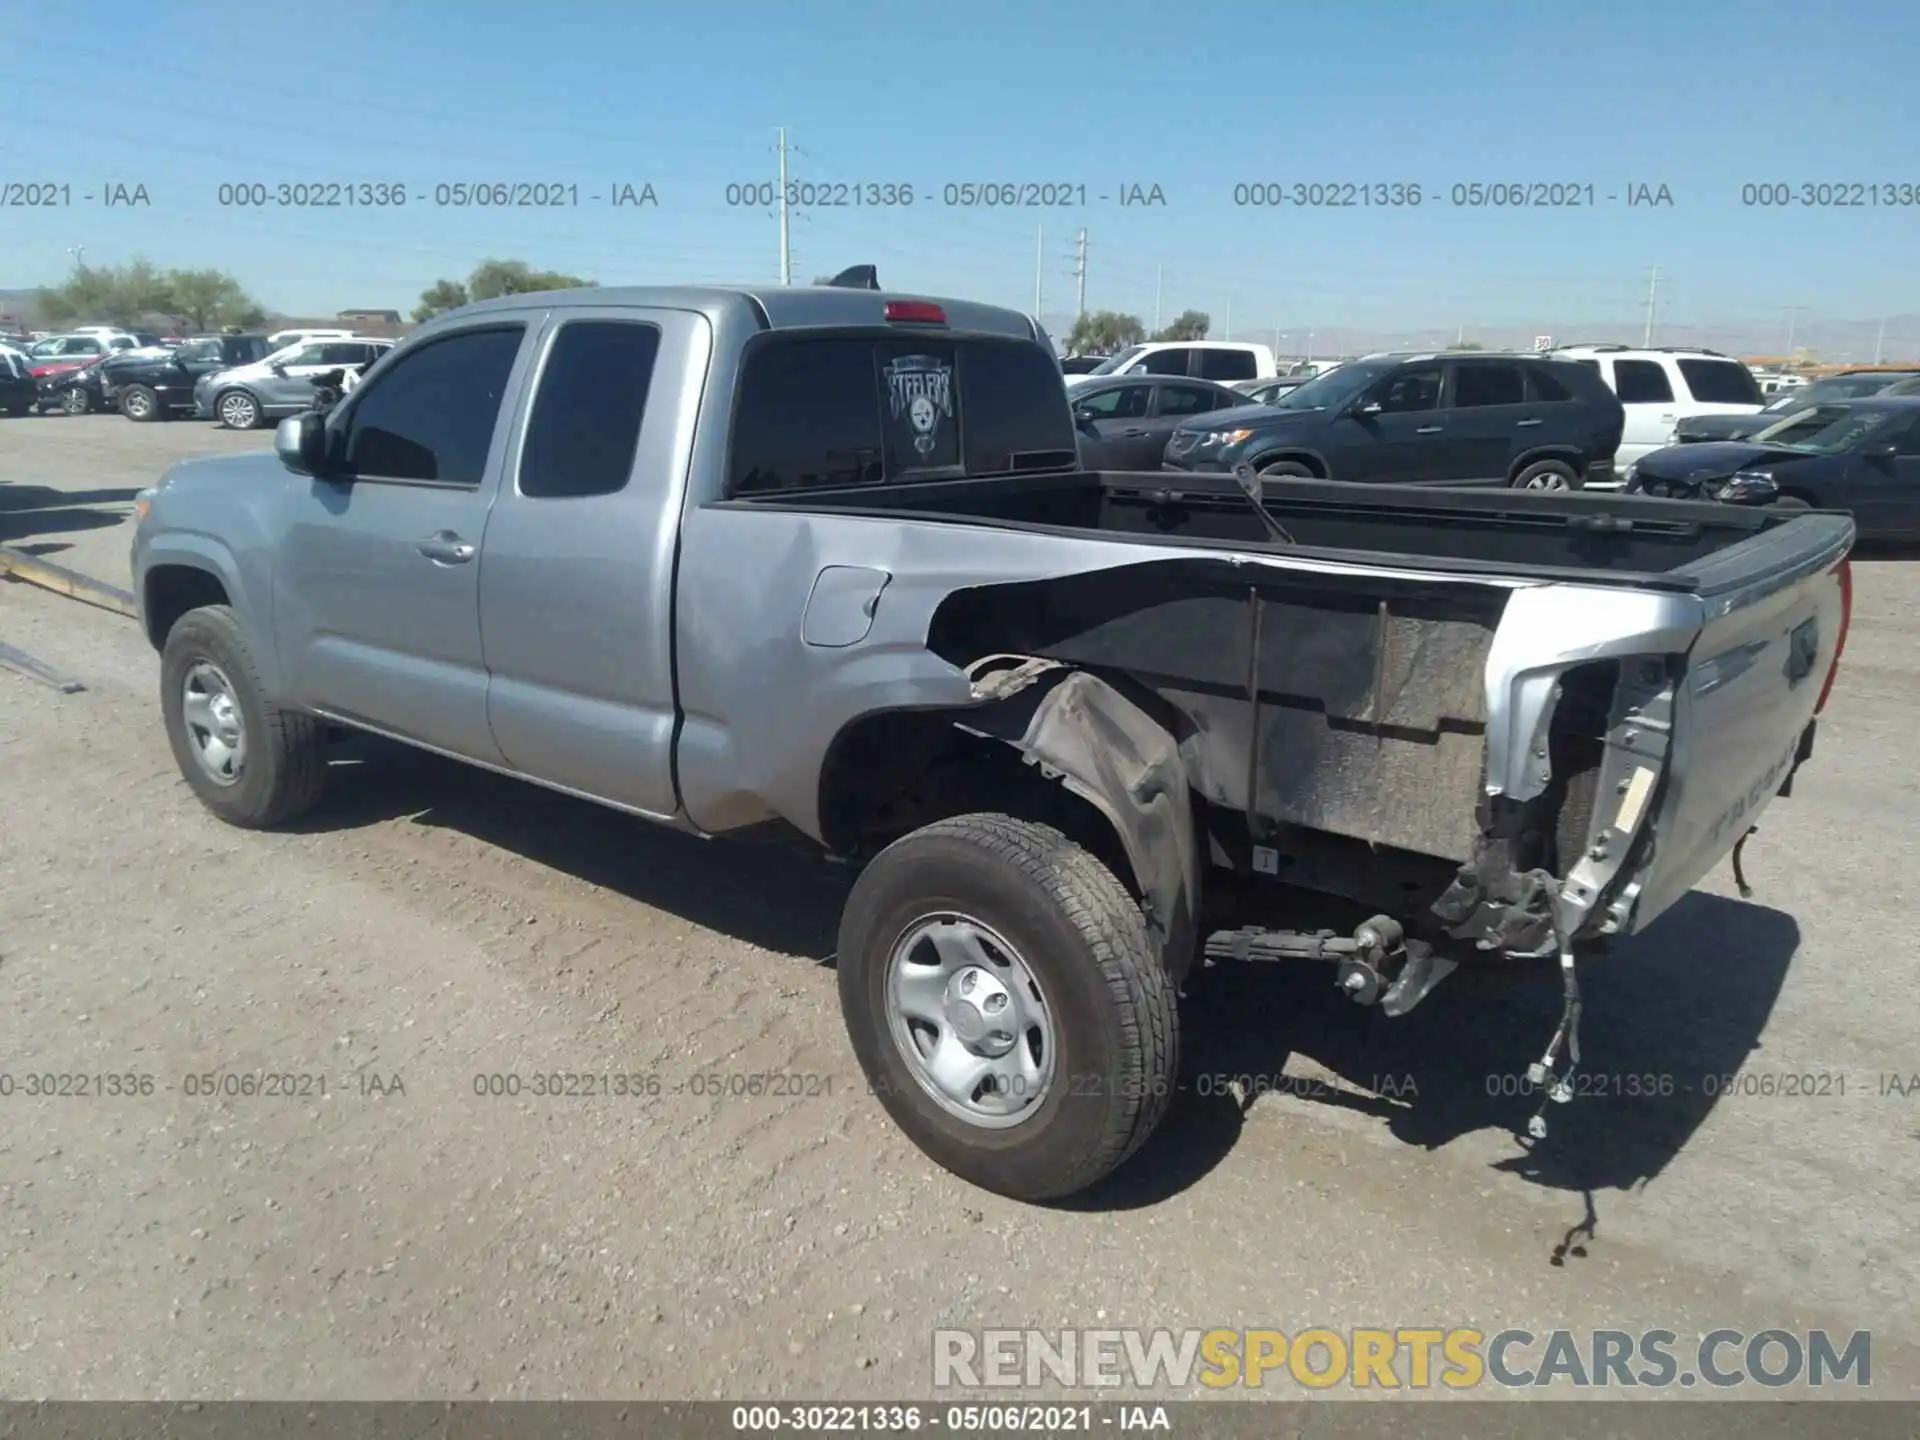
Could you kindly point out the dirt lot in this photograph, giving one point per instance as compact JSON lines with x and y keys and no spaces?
{"x":405,"y":1236}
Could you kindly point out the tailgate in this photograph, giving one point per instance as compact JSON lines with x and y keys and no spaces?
{"x":1773,"y":617}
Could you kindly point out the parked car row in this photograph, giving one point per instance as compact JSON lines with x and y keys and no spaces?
{"x":239,"y":380}
{"x":1680,"y":423}
{"x":1450,"y":419}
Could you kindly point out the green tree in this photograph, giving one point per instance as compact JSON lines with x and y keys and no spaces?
{"x":1187,"y":325}
{"x":823,"y":279}
{"x":126,"y":295}
{"x":208,"y":300}
{"x":490,"y":280}
{"x":438,"y":298}
{"x":494,"y":278}
{"x":1101,"y":332}
{"x":1466,"y":345}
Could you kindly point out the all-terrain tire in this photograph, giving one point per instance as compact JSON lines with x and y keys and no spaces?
{"x":284,"y":770}
{"x":1110,"y":1002}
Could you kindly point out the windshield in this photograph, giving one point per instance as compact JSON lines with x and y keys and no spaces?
{"x":1113,"y":362}
{"x":1824,"y":429}
{"x":1847,"y":387}
{"x":1336,"y":387}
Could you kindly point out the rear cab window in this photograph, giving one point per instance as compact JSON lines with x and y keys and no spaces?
{"x":830,"y":411}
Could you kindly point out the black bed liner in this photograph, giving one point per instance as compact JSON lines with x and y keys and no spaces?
{"x":1594,"y":537}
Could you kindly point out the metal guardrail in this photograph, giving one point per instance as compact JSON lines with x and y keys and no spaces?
{"x":19,"y":565}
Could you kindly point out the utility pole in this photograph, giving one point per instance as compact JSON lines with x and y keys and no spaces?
{"x":1080,"y":275}
{"x":1460,"y":337}
{"x":1228,"y":335}
{"x":1880,"y":340}
{"x":786,"y":255}
{"x":1653,"y":289}
{"x":1159,"y":278}
{"x":1039,"y":265}
{"x":1793,"y":319}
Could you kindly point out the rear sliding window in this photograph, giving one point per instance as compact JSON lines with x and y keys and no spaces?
{"x":1721,"y":382}
{"x":814,"y":413}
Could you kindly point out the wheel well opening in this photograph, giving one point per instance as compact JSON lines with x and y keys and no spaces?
{"x":890,"y":774}
{"x":1313,"y":465}
{"x":173,"y":590}
{"x":1568,"y":458}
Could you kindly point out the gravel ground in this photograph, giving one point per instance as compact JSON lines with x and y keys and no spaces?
{"x":402,"y":1236}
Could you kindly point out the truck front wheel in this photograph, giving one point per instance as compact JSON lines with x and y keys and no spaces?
{"x":251,"y":762}
{"x":1007,"y":1004}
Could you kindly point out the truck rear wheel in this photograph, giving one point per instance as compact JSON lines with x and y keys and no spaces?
{"x":1007,"y":1004}
{"x":251,"y":762}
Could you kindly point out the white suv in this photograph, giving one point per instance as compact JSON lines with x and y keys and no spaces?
{"x":1657,"y":388}
{"x":1221,"y":361}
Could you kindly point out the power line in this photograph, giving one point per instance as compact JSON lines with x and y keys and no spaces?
{"x":1653,"y":289}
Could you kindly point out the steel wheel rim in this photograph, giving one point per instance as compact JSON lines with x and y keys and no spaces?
{"x":237,"y":411}
{"x":969,"y":1020}
{"x":216,"y":732}
{"x":1548,"y":481}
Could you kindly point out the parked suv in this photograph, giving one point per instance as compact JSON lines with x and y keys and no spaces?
{"x":282,"y":384}
{"x":1222,"y":361}
{"x":1445,"y":419}
{"x":1659,"y":388}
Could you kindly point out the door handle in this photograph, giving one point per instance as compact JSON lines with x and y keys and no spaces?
{"x":1525,"y":423}
{"x":1429,"y":429}
{"x":1133,"y":434}
{"x":1668,"y":419}
{"x":443,"y":547}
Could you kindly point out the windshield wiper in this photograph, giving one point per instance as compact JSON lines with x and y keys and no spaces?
{"x":1251,"y":487}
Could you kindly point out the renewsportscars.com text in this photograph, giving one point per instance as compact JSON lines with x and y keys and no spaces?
{"x":1396,"y":1359}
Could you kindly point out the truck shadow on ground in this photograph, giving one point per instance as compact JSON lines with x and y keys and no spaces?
{"x":1670,"y":1017}
{"x":777,"y":896}
{"x":28,"y":510}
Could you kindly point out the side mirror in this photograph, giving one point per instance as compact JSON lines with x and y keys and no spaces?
{"x":301,"y":443}
{"x":1368,"y":407}
{"x":278,"y":369}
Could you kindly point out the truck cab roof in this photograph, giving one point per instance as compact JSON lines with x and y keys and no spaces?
{"x":773,"y":307}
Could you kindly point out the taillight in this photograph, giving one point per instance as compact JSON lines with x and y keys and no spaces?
{"x":1845,"y":574}
{"x":918,"y":312}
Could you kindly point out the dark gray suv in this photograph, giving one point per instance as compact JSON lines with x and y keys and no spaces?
{"x":1440,"y":419}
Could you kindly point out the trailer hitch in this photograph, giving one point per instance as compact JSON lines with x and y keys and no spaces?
{"x":1376,"y":965}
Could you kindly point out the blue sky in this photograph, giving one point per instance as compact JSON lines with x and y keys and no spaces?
{"x":1700,"y":96}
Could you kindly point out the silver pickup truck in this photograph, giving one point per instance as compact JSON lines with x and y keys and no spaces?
{"x":826,"y":556}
